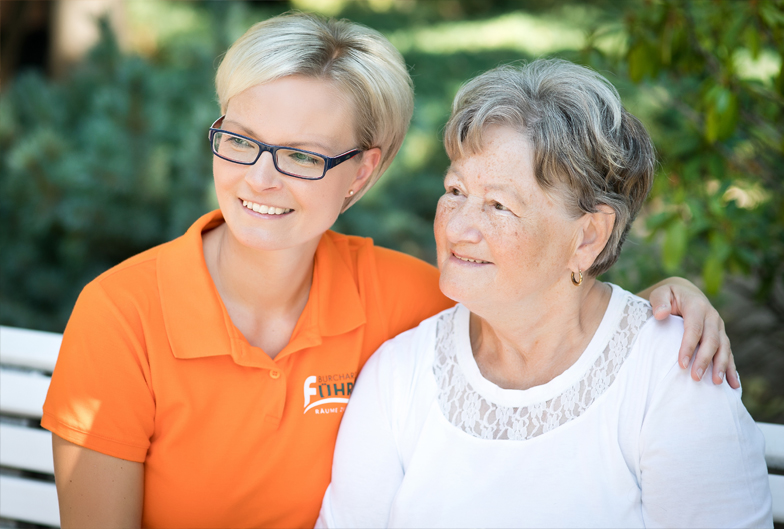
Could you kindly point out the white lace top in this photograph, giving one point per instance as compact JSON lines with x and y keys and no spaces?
{"x":467,"y":409}
{"x":622,"y":438}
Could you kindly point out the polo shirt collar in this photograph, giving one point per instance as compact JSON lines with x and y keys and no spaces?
{"x":198,"y":325}
{"x":341,"y":306}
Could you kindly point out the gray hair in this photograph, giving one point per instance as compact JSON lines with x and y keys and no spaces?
{"x":586,"y":145}
{"x":359,"y":60}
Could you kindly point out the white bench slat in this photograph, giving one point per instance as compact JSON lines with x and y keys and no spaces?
{"x":23,"y":393}
{"x":30,"y":501}
{"x":774,"y":444}
{"x":777,"y":491}
{"x":27,"y":348}
{"x":26,"y":448}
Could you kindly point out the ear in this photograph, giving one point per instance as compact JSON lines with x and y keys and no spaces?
{"x":596,"y":230}
{"x":367,"y":166}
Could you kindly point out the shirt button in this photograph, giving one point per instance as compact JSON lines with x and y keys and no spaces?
{"x":274,"y":373}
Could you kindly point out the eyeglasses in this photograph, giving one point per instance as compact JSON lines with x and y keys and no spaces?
{"x":298,"y":163}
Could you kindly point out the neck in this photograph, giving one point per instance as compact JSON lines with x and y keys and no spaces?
{"x":534,"y":340}
{"x":264,"y":292}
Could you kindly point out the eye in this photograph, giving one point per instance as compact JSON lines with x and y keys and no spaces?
{"x":239,"y":143}
{"x":500,"y":207}
{"x":300,"y":158}
{"x":453,"y":191}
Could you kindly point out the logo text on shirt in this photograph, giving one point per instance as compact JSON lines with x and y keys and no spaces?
{"x":328,"y":389}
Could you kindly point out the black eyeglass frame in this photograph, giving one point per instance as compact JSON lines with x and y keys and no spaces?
{"x":329,"y":161}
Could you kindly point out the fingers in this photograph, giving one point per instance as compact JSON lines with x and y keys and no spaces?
{"x":721,"y":361}
{"x":692,"y":333}
{"x":661,"y":301}
{"x":714,"y":346}
{"x":732,"y":373}
{"x":709,"y":345}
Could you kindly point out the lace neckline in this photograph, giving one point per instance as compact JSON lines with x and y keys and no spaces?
{"x":517,"y":397}
{"x":482,"y":409}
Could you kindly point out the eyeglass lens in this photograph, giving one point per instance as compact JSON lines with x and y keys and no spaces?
{"x":291,"y":161}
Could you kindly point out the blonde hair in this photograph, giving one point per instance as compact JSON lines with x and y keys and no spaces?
{"x":359,"y":60}
{"x":587,"y":147}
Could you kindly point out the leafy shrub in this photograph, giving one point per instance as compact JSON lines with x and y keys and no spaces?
{"x":102,"y":166}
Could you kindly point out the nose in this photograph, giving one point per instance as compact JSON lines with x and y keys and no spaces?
{"x":462,"y":223}
{"x":262,"y":175}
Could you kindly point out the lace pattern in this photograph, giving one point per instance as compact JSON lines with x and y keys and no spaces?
{"x":466,"y":409}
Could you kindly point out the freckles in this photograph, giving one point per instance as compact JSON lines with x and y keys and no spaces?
{"x":445,"y":204}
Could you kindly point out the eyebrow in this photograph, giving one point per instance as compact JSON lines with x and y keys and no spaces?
{"x":503,"y":189}
{"x":296,"y":144}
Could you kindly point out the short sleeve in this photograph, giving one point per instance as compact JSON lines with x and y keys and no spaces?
{"x":100,"y":396}
{"x":409,"y":290}
{"x":702,"y":458}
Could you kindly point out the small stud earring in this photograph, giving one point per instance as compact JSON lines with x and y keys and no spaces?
{"x":351,"y":193}
{"x":575,"y":282}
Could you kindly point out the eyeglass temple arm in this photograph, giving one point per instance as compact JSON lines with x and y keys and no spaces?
{"x":342,"y":158}
{"x":215,"y":125}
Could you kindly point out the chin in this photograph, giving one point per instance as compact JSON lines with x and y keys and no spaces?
{"x":453,"y":290}
{"x":257,"y":240}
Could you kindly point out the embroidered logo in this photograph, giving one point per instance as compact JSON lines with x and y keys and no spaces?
{"x":328,"y":389}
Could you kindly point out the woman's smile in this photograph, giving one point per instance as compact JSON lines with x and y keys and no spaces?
{"x":264,"y":210}
{"x":466,"y":260}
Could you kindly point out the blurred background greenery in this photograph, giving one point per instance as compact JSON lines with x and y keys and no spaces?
{"x":103,"y":152}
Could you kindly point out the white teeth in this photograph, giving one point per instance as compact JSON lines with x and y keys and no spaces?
{"x":268,"y":210}
{"x":470,"y":260}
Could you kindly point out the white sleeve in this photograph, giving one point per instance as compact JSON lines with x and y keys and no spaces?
{"x":702,"y":460}
{"x":366,"y":469}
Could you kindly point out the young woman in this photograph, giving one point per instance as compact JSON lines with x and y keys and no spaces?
{"x":202,"y":383}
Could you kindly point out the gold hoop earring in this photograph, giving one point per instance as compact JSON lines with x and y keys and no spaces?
{"x":575,"y":282}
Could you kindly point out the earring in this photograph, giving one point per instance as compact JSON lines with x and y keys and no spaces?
{"x":351,"y":193}
{"x":576,"y":282}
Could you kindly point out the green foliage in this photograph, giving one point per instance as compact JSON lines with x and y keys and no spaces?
{"x":114,"y":159}
{"x":105,"y":165}
{"x":721,"y":188}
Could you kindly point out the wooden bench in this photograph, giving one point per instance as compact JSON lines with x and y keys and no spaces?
{"x":27,"y":491}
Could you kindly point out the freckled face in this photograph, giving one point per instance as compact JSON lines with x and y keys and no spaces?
{"x":294,"y":111}
{"x":499,"y":236}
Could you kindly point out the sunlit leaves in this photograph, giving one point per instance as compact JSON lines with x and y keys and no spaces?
{"x":721,"y":115}
{"x":674,"y":247}
{"x":721,"y":186}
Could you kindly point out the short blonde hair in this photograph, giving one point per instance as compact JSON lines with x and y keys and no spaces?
{"x":587,"y":147}
{"x":359,"y":60}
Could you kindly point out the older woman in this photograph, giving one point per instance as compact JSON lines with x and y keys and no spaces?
{"x":545,"y":398}
{"x":201,"y":383}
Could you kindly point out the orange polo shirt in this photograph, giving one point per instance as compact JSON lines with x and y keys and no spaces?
{"x":152,"y":369}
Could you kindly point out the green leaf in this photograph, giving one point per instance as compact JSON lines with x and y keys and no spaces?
{"x":637,"y":62}
{"x":751,"y":36}
{"x":674,"y":247}
{"x":643,"y":61}
{"x":658,"y":220}
{"x":720,"y":246}
{"x":713,"y":275}
{"x":721,"y":116}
